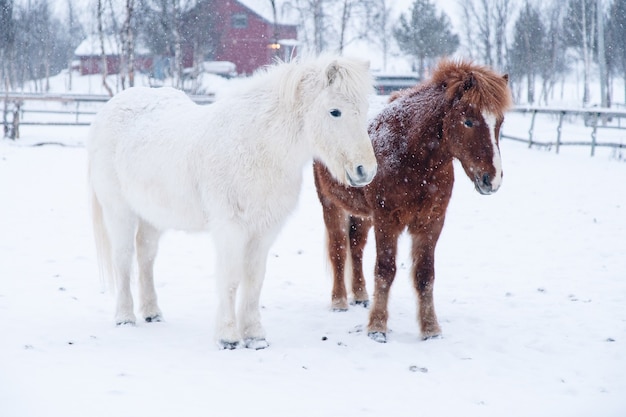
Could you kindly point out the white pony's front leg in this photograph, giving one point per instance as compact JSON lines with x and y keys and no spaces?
{"x":249,"y":312}
{"x":230,"y":245}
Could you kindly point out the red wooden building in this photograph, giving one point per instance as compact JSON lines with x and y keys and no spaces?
{"x":89,"y":55}
{"x":245,"y":32}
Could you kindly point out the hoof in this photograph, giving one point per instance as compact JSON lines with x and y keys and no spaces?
{"x":225,"y":345}
{"x":339,"y":305}
{"x":124,"y":323}
{"x":379,"y":337}
{"x":432,"y":336}
{"x":154,"y":319}
{"x":339,"y":310}
{"x":256,"y":344}
{"x":362,"y":303}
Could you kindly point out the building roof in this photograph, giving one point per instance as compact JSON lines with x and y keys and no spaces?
{"x":285,"y":14}
{"x":91,"y":46}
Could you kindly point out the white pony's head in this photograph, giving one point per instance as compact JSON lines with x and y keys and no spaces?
{"x":335,"y":91}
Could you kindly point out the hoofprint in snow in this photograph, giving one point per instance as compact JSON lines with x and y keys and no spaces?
{"x":530,"y":293}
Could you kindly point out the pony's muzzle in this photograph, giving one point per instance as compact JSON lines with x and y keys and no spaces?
{"x":484,"y":184}
{"x":361,"y":176}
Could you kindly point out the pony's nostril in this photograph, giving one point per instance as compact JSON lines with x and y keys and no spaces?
{"x":486,"y":180}
{"x":360,"y":171}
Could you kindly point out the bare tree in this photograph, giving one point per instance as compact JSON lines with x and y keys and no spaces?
{"x":7,"y":42}
{"x":178,"y":56}
{"x":580,"y":33}
{"x":502,"y":12}
{"x":555,"y":63}
{"x":527,"y":52}
{"x":616,"y":47}
{"x":103,"y":55}
{"x":378,"y":20}
{"x":74,"y":32}
{"x":485,"y":25}
{"x":162,"y":29}
{"x":356,"y":18}
{"x":314,"y":23}
{"x":127,"y":58}
{"x":346,"y":12}
{"x":601,"y":54}
{"x":198,"y":29}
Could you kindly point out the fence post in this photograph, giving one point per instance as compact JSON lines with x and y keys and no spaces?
{"x":532,"y":127}
{"x":15,"y":131}
{"x":593,"y":133}
{"x":5,"y":119}
{"x":558,"y":131}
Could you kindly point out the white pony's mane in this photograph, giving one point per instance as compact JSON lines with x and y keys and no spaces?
{"x":290,"y":82}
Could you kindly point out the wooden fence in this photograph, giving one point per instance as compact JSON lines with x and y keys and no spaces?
{"x":21,"y":109}
{"x":594,"y":118}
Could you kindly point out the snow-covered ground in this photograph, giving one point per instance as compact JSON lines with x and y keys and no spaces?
{"x":530,"y":292}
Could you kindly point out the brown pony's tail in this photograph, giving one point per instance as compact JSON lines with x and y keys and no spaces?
{"x":103,"y":244}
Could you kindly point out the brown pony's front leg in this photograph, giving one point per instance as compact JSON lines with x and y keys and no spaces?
{"x":336,"y":222}
{"x":424,"y":242}
{"x":359,"y":227}
{"x":384,"y":274}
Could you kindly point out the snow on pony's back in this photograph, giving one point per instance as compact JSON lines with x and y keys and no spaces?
{"x":158,"y":161}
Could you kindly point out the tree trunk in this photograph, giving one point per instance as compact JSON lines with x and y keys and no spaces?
{"x":127,"y":63}
{"x":345,"y":16}
{"x":178,"y":58}
{"x":601,"y":54}
{"x":102,"y":51}
{"x":586,"y":54}
{"x":318,"y":22}
{"x":530,"y":96}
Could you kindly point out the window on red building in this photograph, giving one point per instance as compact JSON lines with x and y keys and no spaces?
{"x":239,"y":21}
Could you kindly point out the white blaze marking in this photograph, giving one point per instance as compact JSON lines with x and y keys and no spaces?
{"x":490,"y":119}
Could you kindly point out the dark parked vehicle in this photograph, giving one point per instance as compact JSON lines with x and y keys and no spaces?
{"x":385,"y":84}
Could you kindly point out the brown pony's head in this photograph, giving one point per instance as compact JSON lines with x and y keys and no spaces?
{"x":477,"y":99}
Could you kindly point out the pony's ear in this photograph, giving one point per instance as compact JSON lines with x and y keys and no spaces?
{"x":506,"y":78}
{"x":331,"y":72}
{"x":469,"y":82}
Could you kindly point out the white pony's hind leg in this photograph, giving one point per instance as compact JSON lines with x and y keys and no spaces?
{"x":147,"y":242}
{"x":122,"y":225}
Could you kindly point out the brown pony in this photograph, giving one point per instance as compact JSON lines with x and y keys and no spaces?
{"x":456,"y":114}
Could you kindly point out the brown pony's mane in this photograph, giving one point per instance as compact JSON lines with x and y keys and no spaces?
{"x":474,"y":84}
{"x":470,"y":83}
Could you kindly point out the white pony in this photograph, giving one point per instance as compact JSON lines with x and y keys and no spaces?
{"x":158,"y":161}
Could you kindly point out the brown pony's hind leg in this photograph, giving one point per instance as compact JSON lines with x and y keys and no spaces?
{"x":384,"y":274}
{"x":423,"y":251}
{"x":359,"y":228}
{"x":335,"y":219}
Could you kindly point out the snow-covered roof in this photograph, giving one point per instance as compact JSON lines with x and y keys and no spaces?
{"x":285,"y":14}
{"x":112,"y":46}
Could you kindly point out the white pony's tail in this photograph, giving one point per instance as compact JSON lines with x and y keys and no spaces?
{"x":103,"y":244}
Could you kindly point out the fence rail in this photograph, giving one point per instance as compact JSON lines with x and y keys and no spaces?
{"x":595,"y":118}
{"x":71,"y":108}
{"x":20,"y":109}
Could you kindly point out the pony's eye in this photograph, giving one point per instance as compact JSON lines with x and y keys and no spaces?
{"x":468,"y":123}
{"x":335,"y":112}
